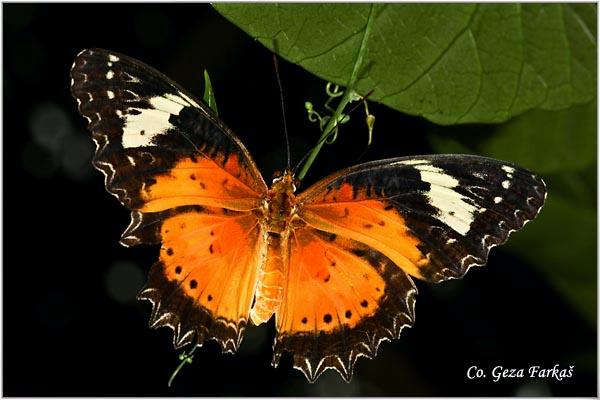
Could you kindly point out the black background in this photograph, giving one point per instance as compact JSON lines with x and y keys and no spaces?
{"x":71,"y":324}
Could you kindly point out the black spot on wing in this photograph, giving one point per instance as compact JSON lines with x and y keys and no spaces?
{"x":313,"y":353}
{"x":190,"y":321}
{"x":146,"y":228}
{"x":328,"y":237}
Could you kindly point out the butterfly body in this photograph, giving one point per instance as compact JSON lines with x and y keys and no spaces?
{"x":278,"y":217}
{"x":333,"y":264}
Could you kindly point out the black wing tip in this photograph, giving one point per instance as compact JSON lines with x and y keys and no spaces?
{"x":505,"y":196}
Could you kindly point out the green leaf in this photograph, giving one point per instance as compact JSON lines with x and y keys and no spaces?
{"x":546,"y":142}
{"x":561,"y":146}
{"x":209,"y":95}
{"x":450,"y":63}
{"x":561,"y":244}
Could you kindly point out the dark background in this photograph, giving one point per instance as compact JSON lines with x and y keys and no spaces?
{"x":71,"y":324}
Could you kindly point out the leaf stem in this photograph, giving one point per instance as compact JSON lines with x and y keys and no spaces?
{"x":333,"y":122}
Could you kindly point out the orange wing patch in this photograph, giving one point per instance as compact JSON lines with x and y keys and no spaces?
{"x":203,"y":182}
{"x":328,"y":285}
{"x":205,"y":278}
{"x":370,"y":222}
{"x":340,"y":301}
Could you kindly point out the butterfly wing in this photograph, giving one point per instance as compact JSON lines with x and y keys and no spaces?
{"x":374,"y":226}
{"x":340,"y":299}
{"x":159,"y":147}
{"x":190,"y":184}
{"x":203,"y":283}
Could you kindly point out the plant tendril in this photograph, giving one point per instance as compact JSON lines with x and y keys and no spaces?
{"x":347,"y":96}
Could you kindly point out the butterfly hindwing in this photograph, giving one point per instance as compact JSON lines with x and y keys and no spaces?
{"x":341,"y":299}
{"x":203,"y":283}
{"x":429,"y":217}
{"x":190,"y":184}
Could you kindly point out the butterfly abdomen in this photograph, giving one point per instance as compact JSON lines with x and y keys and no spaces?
{"x":269,"y":290}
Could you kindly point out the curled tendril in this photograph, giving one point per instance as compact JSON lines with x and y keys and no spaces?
{"x":336,"y":92}
{"x":333,"y":91}
{"x":343,"y":102}
{"x":332,"y":136}
{"x":354,"y":96}
{"x":322,"y":121}
{"x":313,"y":116}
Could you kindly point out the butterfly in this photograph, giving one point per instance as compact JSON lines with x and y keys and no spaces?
{"x":334,"y":265}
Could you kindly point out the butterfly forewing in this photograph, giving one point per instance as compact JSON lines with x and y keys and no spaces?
{"x":190,"y":184}
{"x":147,"y":128}
{"x":429,"y":217}
{"x":448,"y":210}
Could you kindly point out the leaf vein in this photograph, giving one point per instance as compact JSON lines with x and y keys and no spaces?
{"x":437,"y":59}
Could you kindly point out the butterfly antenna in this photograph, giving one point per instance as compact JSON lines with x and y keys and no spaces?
{"x":287,"y":139}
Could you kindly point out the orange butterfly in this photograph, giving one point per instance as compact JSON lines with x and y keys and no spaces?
{"x":334,"y":264}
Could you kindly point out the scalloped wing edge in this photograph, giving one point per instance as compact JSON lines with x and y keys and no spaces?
{"x":383,"y":327}
{"x":189,"y":320}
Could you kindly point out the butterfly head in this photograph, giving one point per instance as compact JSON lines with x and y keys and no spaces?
{"x":285,"y":181}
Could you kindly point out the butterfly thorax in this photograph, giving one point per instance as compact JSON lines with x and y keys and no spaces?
{"x":281,"y":203}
